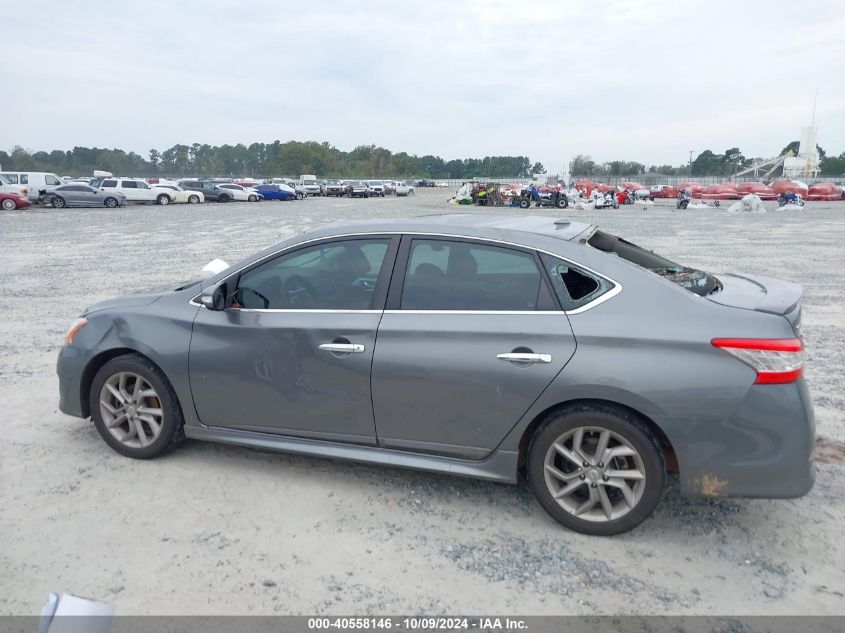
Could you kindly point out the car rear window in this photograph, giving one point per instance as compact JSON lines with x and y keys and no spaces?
{"x":697,"y":281}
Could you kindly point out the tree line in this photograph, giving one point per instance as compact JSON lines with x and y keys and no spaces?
{"x":707,"y":163}
{"x":265,"y":159}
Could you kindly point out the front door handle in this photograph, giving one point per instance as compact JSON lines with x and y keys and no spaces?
{"x":342,"y":348}
{"x":524,"y":357}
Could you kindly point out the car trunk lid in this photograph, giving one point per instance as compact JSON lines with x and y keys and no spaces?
{"x":763,"y":294}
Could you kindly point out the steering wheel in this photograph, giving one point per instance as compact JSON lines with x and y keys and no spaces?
{"x":299,"y":290}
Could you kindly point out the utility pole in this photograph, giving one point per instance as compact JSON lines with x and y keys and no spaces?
{"x":690,"y":162}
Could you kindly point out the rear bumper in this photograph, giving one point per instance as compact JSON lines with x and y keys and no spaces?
{"x":70,"y":367}
{"x":766,"y":449}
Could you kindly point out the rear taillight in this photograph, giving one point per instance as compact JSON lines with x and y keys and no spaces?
{"x":776,"y":360}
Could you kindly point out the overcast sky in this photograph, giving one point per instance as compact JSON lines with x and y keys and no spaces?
{"x":639,"y":80}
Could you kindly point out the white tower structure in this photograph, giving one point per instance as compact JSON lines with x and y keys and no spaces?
{"x":806,"y":164}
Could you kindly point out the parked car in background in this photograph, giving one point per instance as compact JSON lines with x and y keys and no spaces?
{"x":6,"y":186}
{"x":79,"y":195}
{"x":357,"y":189}
{"x":309,"y":184}
{"x":177,"y":195}
{"x":404,"y":189}
{"x":35,"y":182}
{"x":376,"y":187}
{"x":210,"y":190}
{"x":11,"y":201}
{"x":135,"y":190}
{"x":277,"y":192}
{"x":440,"y":183}
{"x":425,"y":182}
{"x":241,"y":193}
{"x":334,"y":188}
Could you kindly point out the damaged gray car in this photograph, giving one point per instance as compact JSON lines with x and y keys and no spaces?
{"x":487,"y":346}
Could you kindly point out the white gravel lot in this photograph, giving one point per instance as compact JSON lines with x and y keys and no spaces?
{"x":223,"y":530}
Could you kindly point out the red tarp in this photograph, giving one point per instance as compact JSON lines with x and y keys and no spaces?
{"x":787,"y":186}
{"x":824,"y":191}
{"x":725,"y":191}
{"x":762,"y":190}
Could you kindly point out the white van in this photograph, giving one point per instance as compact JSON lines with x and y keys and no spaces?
{"x":309,"y":183}
{"x":34,"y":181}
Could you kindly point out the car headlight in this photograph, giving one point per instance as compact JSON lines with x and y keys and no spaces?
{"x":73,"y":328}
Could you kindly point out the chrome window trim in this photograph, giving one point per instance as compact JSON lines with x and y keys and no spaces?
{"x":617,"y":286}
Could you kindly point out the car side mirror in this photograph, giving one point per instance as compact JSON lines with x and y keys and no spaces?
{"x":216,"y":300}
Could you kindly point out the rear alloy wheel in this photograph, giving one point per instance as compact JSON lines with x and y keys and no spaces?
{"x":9,"y":204}
{"x":58,"y":202}
{"x":163,"y":199}
{"x":193,"y":199}
{"x":135,"y":408}
{"x":596,"y":469}
{"x":111,"y":203}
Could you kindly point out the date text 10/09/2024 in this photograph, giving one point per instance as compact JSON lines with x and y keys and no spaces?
{"x":419,"y":623}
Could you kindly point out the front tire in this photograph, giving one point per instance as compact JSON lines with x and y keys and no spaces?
{"x":9,"y":204}
{"x":596,"y":469}
{"x":524,"y":203}
{"x":58,"y":202}
{"x":111,"y":203}
{"x":253,"y":198}
{"x":135,"y":408}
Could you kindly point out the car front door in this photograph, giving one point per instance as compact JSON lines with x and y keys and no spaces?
{"x":470,"y":339}
{"x":292,"y":354}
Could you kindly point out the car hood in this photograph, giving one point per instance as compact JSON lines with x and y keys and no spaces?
{"x":140,"y":299}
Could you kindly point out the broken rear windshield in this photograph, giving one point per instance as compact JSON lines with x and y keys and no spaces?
{"x":697,"y":281}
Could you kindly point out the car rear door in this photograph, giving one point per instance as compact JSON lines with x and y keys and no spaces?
{"x":471,"y":337}
{"x":292,"y":354}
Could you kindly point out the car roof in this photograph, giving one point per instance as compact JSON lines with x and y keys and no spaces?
{"x":516,"y":228}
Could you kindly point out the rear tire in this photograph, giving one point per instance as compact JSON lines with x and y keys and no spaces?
{"x":157,"y":395}
{"x":193,"y":199}
{"x":562,"y":202}
{"x":163,"y":199}
{"x":623,"y":492}
{"x":524,"y":203}
{"x":224,"y":199}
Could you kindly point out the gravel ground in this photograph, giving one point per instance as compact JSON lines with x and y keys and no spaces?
{"x":218,"y":529}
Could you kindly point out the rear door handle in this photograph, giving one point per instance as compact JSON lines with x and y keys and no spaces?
{"x":524,"y":357}
{"x":342,"y":348}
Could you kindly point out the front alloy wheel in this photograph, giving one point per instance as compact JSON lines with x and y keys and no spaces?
{"x":131,"y":409}
{"x":135,"y":408}
{"x":596,"y":469}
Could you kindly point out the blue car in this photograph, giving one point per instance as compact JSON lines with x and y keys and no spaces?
{"x":275,"y":192}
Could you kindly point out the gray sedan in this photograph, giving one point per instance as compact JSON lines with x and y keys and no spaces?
{"x":476,"y":345}
{"x":81,"y":195}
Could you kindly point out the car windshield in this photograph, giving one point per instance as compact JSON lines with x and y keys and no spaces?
{"x":697,"y":281}
{"x":309,"y":182}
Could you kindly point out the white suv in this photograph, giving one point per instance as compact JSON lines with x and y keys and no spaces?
{"x":134,"y":190}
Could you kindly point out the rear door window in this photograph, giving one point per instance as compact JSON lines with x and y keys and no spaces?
{"x":467,"y":276}
{"x":108,"y":183}
{"x":129,"y":184}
